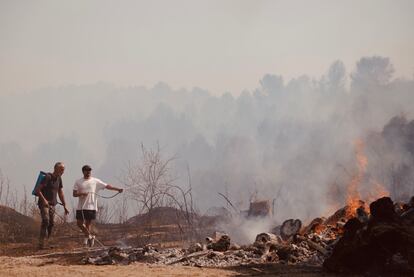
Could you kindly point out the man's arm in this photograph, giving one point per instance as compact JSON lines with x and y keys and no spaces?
{"x":40,"y":194}
{"x":75,"y":191}
{"x":110,"y":187}
{"x":78,"y":194}
{"x":62,"y":199}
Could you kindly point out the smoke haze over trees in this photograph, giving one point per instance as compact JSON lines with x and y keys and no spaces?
{"x":289,"y":137}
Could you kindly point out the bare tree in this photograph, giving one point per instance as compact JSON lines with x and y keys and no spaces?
{"x":151,"y":184}
{"x":149,"y":179}
{"x":182,"y":200}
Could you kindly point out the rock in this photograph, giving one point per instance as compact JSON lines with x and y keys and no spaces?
{"x":222,"y":244}
{"x":290,"y":228}
{"x":267,"y":237}
{"x":196,"y":247}
{"x":315,"y":225}
{"x":383,"y":210}
{"x":265,"y":243}
{"x":276,"y":230}
{"x":352,"y":226}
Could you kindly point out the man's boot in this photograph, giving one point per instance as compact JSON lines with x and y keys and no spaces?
{"x":91,"y":240}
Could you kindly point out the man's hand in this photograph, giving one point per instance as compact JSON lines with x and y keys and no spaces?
{"x":120,"y":190}
{"x":45,"y":203}
{"x":66,"y":210}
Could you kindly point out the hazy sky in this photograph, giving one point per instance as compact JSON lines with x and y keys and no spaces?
{"x":217,"y":45}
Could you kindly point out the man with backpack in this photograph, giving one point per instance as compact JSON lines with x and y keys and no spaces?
{"x":47,"y":191}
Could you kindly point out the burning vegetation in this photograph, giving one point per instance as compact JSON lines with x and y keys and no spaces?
{"x":380,"y":240}
{"x":375,"y":235}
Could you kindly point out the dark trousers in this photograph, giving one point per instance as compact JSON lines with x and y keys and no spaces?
{"x":48,"y":220}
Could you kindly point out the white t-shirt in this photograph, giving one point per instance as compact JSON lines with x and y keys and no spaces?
{"x":91,"y":185}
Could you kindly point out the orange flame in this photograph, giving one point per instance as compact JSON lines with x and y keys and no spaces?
{"x":353,"y":199}
{"x":378,"y":191}
{"x":353,"y":196}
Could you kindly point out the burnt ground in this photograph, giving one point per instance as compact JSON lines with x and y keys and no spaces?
{"x":20,"y":256}
{"x":66,"y":254}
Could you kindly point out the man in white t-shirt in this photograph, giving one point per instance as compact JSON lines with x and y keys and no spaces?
{"x":86,"y":189}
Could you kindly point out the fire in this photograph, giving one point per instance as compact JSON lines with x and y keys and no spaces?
{"x":357,"y":200}
{"x":353,"y":199}
{"x":319,"y":228}
{"x":377,"y":191}
{"x":353,"y":196}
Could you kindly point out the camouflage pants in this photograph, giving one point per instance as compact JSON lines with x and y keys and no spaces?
{"x":48,"y":220}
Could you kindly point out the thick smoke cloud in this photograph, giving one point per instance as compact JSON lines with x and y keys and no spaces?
{"x":292,"y":140}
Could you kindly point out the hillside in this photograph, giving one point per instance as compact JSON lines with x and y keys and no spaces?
{"x":15,"y":227}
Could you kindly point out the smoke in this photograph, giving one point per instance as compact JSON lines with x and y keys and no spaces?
{"x":290,"y":140}
{"x":244,"y":230}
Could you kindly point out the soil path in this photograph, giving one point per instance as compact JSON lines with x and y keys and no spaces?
{"x":23,"y":266}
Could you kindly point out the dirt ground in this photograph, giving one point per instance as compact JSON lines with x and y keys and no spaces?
{"x":32,"y":266}
{"x":26,"y":266}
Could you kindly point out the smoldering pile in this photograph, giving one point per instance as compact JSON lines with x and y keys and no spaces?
{"x":288,"y":247}
{"x":383,"y":237}
{"x":268,"y":248}
{"x":383,"y":241}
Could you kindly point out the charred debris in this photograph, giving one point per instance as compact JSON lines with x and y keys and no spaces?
{"x":377,"y":238}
